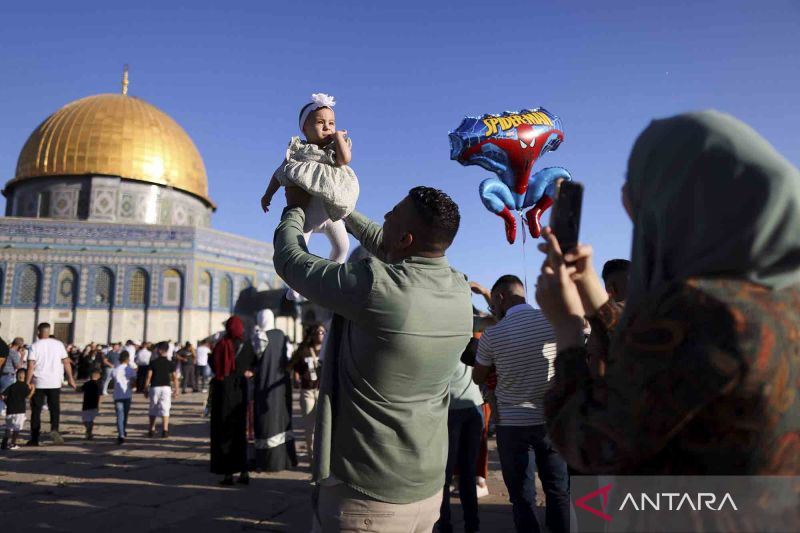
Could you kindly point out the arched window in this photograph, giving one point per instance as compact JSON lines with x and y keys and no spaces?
{"x":65,"y":287}
{"x":171,"y":295}
{"x":28,"y":290}
{"x":137,"y":288}
{"x":103,"y":283}
{"x":204,"y":290}
{"x":225,"y":292}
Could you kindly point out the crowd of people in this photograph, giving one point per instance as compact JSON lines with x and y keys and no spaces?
{"x":679,"y":361}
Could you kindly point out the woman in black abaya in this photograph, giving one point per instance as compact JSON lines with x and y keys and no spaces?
{"x":232,"y":362}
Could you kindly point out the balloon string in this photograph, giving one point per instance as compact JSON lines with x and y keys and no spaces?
{"x":524,"y":258}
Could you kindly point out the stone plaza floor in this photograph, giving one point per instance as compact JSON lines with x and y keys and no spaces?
{"x":154,"y":484}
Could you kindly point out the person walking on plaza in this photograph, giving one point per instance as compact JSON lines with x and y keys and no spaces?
{"x":3,"y":350}
{"x":48,"y":364}
{"x":305,"y":370}
{"x":16,"y":396}
{"x":464,"y":428}
{"x":9,"y":367}
{"x":187,"y":357}
{"x":201,"y":365}
{"x":160,"y":387}
{"x":232,"y":360}
{"x":92,"y":395}
{"x":142,"y":360}
{"x":110,"y":361}
{"x":401,"y":321}
{"x":522,"y":348}
{"x":124,"y":376}
{"x":131,"y":348}
{"x":275,"y":447}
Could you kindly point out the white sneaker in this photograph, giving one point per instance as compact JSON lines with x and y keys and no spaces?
{"x":482,"y":487}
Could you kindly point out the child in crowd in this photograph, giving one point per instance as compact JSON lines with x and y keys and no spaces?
{"x":123,"y":376}
{"x":162,"y":378}
{"x":319,"y":165}
{"x":92,"y":390}
{"x":15,"y":397}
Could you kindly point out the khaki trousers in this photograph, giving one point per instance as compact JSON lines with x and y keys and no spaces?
{"x":341,"y":509}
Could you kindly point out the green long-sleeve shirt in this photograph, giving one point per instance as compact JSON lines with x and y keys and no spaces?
{"x":393,"y":348}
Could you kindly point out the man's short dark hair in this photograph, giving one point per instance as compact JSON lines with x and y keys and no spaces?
{"x":507,"y":280}
{"x":43,"y":325}
{"x":613,"y":266}
{"x":162,"y":346}
{"x":438,"y":211}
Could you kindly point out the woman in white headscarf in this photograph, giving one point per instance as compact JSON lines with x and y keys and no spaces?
{"x":272,"y":397}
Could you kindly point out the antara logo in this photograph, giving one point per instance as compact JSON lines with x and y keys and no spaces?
{"x":667,"y":501}
{"x":603,"y":491}
{"x":702,"y":501}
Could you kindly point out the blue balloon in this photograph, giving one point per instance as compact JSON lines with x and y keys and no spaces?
{"x":509,"y":144}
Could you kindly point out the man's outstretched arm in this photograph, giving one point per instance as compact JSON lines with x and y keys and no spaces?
{"x":340,"y":288}
{"x":367,"y":232}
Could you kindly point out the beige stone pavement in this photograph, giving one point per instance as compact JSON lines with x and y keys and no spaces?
{"x":162,"y":484}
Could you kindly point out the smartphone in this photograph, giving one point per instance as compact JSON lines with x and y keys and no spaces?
{"x":565,"y":219}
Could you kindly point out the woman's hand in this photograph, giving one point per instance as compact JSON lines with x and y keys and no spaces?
{"x":581,"y":271}
{"x":558,"y":297}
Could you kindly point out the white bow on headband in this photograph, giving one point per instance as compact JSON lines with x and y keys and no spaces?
{"x":318,"y":100}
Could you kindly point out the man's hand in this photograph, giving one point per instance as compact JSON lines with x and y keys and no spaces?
{"x":297,"y":197}
{"x":248,"y":374}
{"x":477,"y":288}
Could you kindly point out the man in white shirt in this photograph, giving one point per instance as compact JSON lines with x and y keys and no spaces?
{"x":522,"y":349}
{"x":130,"y":347}
{"x":142,"y":361}
{"x":47,"y":364}
{"x":201,"y":365}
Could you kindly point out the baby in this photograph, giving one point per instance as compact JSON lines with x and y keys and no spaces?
{"x":319,"y":165}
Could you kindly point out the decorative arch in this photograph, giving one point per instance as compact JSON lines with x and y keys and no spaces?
{"x":103,"y":287}
{"x":172,"y":288}
{"x":138,"y":287}
{"x":204,"y":288}
{"x":65,"y":286}
{"x":226,"y":292}
{"x":29,"y":286}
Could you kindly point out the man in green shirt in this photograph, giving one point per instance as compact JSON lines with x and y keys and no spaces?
{"x":402,"y":320}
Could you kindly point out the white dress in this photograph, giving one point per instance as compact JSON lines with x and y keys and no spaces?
{"x":334,"y":192}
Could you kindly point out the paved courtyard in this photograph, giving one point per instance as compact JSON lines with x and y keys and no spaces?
{"x":161,"y":484}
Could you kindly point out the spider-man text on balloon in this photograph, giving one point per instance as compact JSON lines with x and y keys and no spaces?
{"x":508,"y":145}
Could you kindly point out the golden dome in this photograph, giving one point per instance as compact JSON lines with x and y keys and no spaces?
{"x":114,"y":135}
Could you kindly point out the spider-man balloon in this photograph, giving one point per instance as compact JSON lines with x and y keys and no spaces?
{"x":508,"y":145}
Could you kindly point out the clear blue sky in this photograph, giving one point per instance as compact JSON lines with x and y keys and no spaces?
{"x":234,"y":75}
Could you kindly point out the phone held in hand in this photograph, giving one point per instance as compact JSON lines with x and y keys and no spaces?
{"x":565,"y":219}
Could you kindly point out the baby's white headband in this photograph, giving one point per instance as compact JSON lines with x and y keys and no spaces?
{"x":317,"y":100}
